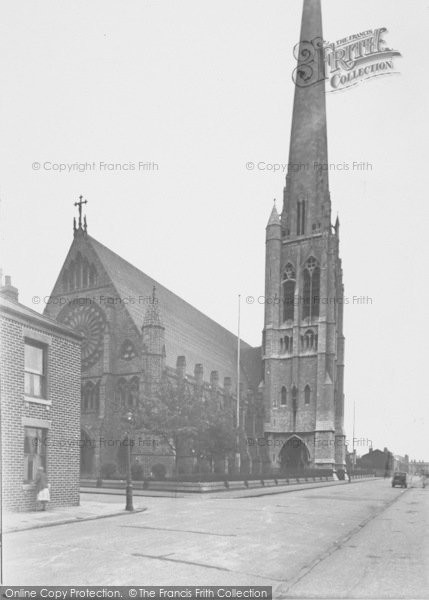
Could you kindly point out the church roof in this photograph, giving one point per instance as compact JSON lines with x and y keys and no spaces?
{"x":188,"y":331}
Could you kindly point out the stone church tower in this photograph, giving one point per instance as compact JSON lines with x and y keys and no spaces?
{"x":303,"y":342}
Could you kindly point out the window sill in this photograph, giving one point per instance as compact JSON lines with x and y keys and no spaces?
{"x":27,"y":487}
{"x":36,"y":400}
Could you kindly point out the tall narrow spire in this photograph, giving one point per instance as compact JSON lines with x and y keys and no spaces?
{"x":306,"y":200}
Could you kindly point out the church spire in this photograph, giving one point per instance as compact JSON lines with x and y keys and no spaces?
{"x":306,"y":199}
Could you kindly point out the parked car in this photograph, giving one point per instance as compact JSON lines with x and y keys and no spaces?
{"x":399,"y":479}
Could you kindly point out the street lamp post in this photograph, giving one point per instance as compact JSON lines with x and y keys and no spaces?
{"x":129,"y":488}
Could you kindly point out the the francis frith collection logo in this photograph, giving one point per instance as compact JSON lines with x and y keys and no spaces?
{"x":345,"y":63}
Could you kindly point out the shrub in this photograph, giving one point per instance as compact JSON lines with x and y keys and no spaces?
{"x":108,"y":470}
{"x":137,"y":472}
{"x":159,"y":471}
{"x":341,"y":474}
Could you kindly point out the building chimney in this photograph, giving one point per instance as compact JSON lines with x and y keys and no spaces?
{"x":181,"y":367}
{"x":199,"y":374}
{"x":8,"y":290}
{"x":227,"y":384}
{"x":214,"y":380}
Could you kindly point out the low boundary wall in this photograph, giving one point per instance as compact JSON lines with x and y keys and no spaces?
{"x":204,"y":486}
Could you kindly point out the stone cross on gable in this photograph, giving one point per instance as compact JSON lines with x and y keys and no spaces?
{"x":79,"y":205}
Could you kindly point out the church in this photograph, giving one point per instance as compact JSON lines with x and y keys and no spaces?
{"x":136,"y":332}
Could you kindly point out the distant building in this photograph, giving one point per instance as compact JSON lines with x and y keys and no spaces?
{"x":401,"y":463}
{"x":40,"y":404}
{"x":379,"y":461}
{"x":419,"y":467}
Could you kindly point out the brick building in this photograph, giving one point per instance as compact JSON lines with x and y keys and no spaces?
{"x":40,"y":404}
{"x":379,"y":461}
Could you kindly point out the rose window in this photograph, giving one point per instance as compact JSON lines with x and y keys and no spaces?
{"x":89,"y":321}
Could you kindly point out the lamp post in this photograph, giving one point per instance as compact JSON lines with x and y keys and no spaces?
{"x":128,"y":419}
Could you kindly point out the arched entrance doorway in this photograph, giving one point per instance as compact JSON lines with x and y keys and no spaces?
{"x":294,"y":455}
{"x":87,"y":454}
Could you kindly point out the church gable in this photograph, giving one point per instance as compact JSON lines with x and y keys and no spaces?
{"x":81,"y":272}
{"x":85,"y":298}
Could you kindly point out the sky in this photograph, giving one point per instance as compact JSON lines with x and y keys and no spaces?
{"x":198,"y":89}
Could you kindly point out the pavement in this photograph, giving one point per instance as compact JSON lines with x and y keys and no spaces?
{"x":357,"y":540}
{"x":88,"y":510}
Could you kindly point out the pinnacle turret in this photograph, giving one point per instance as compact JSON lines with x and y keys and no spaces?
{"x":274,"y":217}
{"x":152,"y":315}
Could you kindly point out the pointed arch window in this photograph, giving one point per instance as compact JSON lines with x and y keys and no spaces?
{"x":309,"y":341}
{"x":133,"y":392}
{"x":307,"y":394}
{"x":78,"y":271}
{"x":121,"y":392}
{"x":300,"y":217}
{"x":66,"y":280}
{"x":85,"y":273}
{"x":80,"y":274}
{"x":92,"y":276}
{"x":72,"y":276}
{"x":288,"y":284}
{"x":311,"y":289}
{"x":87,"y":396}
{"x":286,"y":344}
{"x":283,"y":396}
{"x":90,"y":400}
{"x":96,"y":398}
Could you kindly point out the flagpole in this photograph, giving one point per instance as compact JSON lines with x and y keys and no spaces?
{"x":354,"y":421}
{"x":237,"y":456}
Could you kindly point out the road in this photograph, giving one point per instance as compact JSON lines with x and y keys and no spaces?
{"x":352,"y":541}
